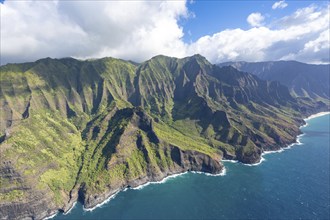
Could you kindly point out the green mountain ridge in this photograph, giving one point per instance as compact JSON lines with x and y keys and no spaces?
{"x":82,"y":130}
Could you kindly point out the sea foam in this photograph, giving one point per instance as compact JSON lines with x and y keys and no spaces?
{"x":67,"y":212}
{"x":51,"y":216}
{"x":159,"y":182}
{"x":102,"y":203}
{"x":230,"y":161}
{"x":255,"y":164}
{"x":222,"y":173}
{"x":317,"y":115}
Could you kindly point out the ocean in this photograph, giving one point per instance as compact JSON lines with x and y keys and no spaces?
{"x":292,"y":184}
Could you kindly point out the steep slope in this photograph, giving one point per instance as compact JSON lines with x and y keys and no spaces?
{"x":304,"y":80}
{"x":222,"y":105}
{"x":83,"y":130}
{"x":46,"y":106}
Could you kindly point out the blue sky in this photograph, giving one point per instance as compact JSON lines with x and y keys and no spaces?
{"x":214,"y":16}
{"x":138,"y":30}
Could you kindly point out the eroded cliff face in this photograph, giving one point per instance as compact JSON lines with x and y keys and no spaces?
{"x":124,"y":150}
{"x":22,"y":200}
{"x":182,"y":161}
{"x":85,"y":129}
{"x":139,"y":155}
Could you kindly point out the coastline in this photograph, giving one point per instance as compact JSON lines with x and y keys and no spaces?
{"x":102,"y":203}
{"x":165,"y":179}
{"x":313,"y":116}
{"x":51,"y":216}
{"x":159,"y":182}
{"x":268,"y":152}
{"x":134,"y":188}
{"x":316,"y":115}
{"x":223,"y":172}
{"x":73,"y":205}
{"x":297,"y":142}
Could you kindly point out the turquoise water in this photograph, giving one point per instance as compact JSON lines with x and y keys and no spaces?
{"x":290,"y":184}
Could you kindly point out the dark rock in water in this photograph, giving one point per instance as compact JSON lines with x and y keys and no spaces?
{"x":251,"y":157}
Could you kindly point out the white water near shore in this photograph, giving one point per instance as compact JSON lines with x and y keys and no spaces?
{"x":102,"y":203}
{"x":229,"y":161}
{"x":135,"y":188}
{"x":159,"y":182}
{"x":316,"y":115}
{"x":255,"y":164}
{"x":67,"y":212}
{"x":51,"y":216}
{"x":223,"y":172}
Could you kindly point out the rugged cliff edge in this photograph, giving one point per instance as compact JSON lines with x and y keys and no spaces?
{"x":187,"y":161}
{"x":85,"y":129}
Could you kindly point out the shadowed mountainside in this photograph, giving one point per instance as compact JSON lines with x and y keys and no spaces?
{"x":83,"y":130}
{"x":303,"y":80}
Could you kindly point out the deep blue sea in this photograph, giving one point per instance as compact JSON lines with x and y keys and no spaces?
{"x":293,"y":184}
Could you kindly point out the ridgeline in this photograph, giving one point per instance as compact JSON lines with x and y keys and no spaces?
{"x":82,"y":130}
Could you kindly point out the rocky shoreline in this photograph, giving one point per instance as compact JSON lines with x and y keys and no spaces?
{"x":288,"y":146}
{"x":107,"y":196}
{"x":191,"y":161}
{"x":94,"y":201}
{"x":115,"y":124}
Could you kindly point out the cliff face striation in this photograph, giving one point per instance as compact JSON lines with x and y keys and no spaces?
{"x":85,"y":129}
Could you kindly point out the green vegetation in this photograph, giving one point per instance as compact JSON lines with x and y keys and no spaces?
{"x":185,"y":141}
{"x":49,"y":148}
{"x":101,"y":124}
{"x":12,"y":196}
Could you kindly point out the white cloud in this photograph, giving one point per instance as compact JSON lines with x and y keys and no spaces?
{"x":301,"y":16}
{"x":138,"y":30}
{"x":255,"y":19}
{"x":279,"y":4}
{"x":302,"y":36}
{"x":315,"y":51}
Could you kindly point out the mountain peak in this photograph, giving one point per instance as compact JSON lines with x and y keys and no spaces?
{"x":106,"y":124}
{"x":198,"y":57}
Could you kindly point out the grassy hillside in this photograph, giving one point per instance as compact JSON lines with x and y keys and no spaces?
{"x":74,"y":128}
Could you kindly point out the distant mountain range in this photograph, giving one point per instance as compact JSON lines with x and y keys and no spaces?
{"x":304,"y":80}
{"x":82,"y":130}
